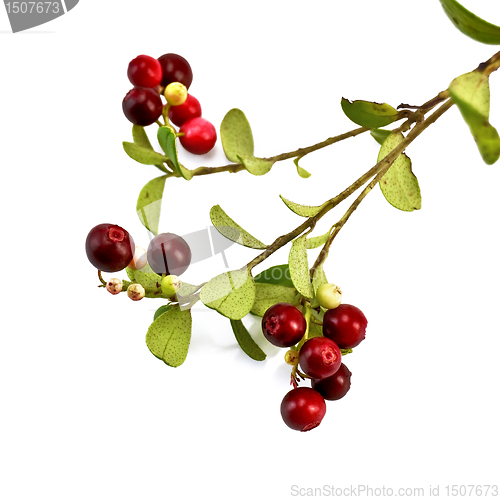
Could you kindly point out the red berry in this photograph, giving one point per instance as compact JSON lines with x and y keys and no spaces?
{"x":303,"y":409}
{"x":199,"y":136}
{"x":169,"y":254}
{"x":345,"y":325}
{"x":320,"y":357}
{"x":336,"y":386}
{"x":145,"y":71}
{"x":283,"y":324}
{"x":142,"y":106}
{"x":109,"y":247}
{"x":191,"y":108}
{"x":175,"y":69}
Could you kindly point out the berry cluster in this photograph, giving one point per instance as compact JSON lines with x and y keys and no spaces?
{"x":169,"y":76}
{"x":110,"y":248}
{"x":319,"y":357}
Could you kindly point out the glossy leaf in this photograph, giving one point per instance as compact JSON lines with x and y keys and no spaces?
{"x":399,"y":185}
{"x":266,"y":295}
{"x":143,"y":155}
{"x":299,"y":267}
{"x":149,"y":203}
{"x":471,"y":25}
{"x":169,"y":336}
{"x":471,"y":94}
{"x":302,"y":210}
{"x":369,"y":114}
{"x":276,"y":275}
{"x":303,"y":173}
{"x":166,"y":138}
{"x":246,"y":342}
{"x":232,"y":294}
{"x":233,"y":231}
{"x":317,"y":241}
{"x":380,"y":135}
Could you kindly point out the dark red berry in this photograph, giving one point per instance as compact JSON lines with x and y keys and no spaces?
{"x":145,"y":71}
{"x":191,"y":108}
{"x":320,"y":357}
{"x":199,"y":136}
{"x":336,"y":386}
{"x":109,"y":247}
{"x":283,"y":324}
{"x":169,"y":254}
{"x":142,"y":106}
{"x":303,"y":409}
{"x":175,"y":69}
{"x":345,"y":325}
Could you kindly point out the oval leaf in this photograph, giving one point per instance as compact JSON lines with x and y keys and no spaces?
{"x":232,"y":294}
{"x":169,"y":336}
{"x":256,"y":166}
{"x":167,"y":138}
{"x":380,"y":135}
{"x":234,"y":232}
{"x":471,"y":25}
{"x":276,"y":275}
{"x":246,"y":342}
{"x":266,"y":295}
{"x":149,"y":203}
{"x":148,"y":279}
{"x":161,"y":310}
{"x":140,"y":137}
{"x":236,"y":135}
{"x":299,"y":267}
{"x":302,"y":210}
{"x":399,"y":185}
{"x":369,"y":114}
{"x":471,"y":94}
{"x":143,"y":155}
{"x":317,"y":241}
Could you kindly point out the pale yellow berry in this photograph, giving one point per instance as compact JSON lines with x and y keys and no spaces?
{"x":114,"y":286}
{"x":291,"y":357}
{"x":136,"y":291}
{"x":139,"y":260}
{"x":175,"y":93}
{"x":329,"y":296}
{"x":170,"y":285}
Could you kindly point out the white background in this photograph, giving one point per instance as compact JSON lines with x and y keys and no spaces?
{"x":88,"y":413}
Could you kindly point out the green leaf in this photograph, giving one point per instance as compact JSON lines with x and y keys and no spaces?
{"x":303,"y":173}
{"x":237,"y":142}
{"x":319,"y":278}
{"x":315,"y":330}
{"x":232,"y":294}
{"x":140,"y":137}
{"x":246,"y":342}
{"x":231,"y":230}
{"x":471,"y":25}
{"x":299,"y":267}
{"x":471,"y":94}
{"x":149,"y":203}
{"x":167,"y":138}
{"x":302,"y":210}
{"x":169,"y":336}
{"x":266,"y":295}
{"x":399,"y":185}
{"x":369,"y":114}
{"x":276,"y":275}
{"x":345,"y":351}
{"x":161,"y":310}
{"x":317,"y":241}
{"x":143,"y":155}
{"x":380,"y":135}
{"x":148,"y":279}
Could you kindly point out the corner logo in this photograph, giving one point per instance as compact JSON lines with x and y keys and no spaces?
{"x":24,"y":15}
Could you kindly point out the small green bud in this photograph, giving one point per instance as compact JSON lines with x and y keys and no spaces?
{"x":329,"y":296}
{"x":170,"y":285}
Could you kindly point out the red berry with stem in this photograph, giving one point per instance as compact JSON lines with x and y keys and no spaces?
{"x":336,"y":386}
{"x":175,"y":69}
{"x":303,"y":409}
{"x":109,"y":248}
{"x":142,"y":106}
{"x":145,"y":71}
{"x":199,"y":136}
{"x":345,"y":325}
{"x":283,"y":324}
{"x":320,"y":357}
{"x":191,"y":108}
{"x":169,"y":254}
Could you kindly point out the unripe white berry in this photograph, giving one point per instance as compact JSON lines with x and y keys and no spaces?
{"x":175,"y":93}
{"x":139,"y":260}
{"x":329,"y":296}
{"x":114,"y":286}
{"x":136,"y":291}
